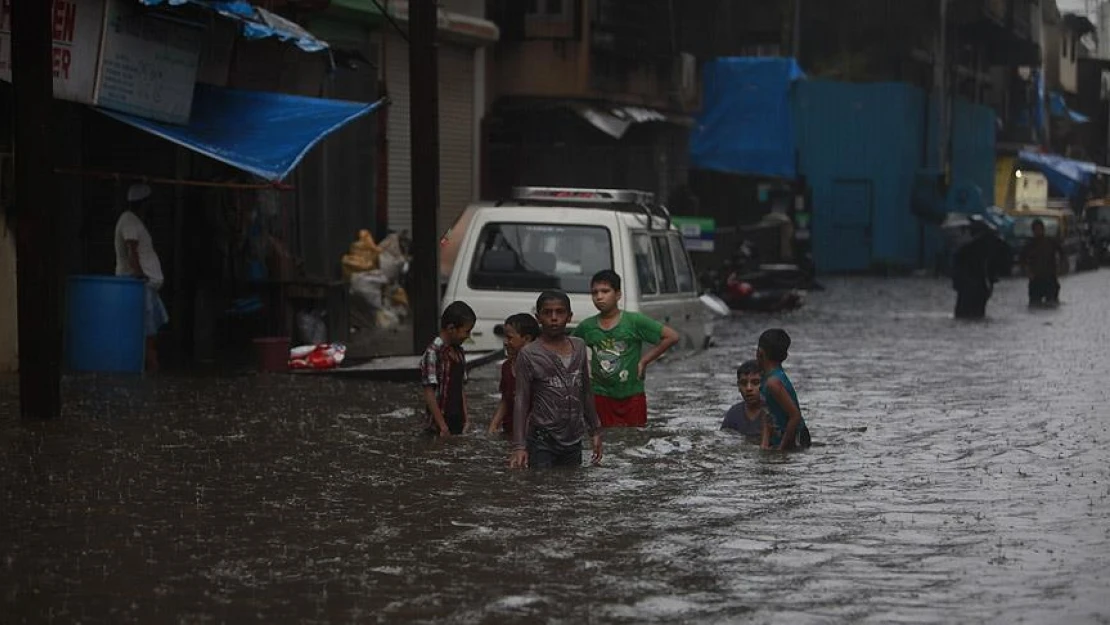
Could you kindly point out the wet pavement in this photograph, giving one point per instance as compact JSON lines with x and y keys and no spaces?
{"x":964,"y":478}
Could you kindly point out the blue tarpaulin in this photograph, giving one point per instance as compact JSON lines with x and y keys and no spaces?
{"x":1066,"y":176}
{"x":258,"y":23}
{"x":1059,"y":108}
{"x":746,"y":125}
{"x":263,"y":133}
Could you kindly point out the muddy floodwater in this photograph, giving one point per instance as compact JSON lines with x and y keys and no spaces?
{"x":963,"y":478}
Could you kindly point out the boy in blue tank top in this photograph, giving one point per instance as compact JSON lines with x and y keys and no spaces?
{"x":785,"y":429}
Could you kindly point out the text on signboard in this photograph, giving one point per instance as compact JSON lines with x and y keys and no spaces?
{"x":63,"y":28}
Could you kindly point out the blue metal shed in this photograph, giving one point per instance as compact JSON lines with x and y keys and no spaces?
{"x":860,"y":147}
{"x":863,"y":148}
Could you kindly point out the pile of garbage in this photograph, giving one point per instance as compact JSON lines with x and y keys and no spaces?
{"x":375,"y":272}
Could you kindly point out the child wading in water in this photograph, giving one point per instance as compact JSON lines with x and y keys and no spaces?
{"x":520,"y":330}
{"x":443,"y":371}
{"x":749,"y":417}
{"x":785,"y":429}
{"x":553,"y":410}
{"x":616,"y":338}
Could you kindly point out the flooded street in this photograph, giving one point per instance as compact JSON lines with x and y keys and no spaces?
{"x":964,"y":478}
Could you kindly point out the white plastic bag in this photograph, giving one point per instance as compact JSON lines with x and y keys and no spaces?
{"x":367,"y":286}
{"x":391,"y":259}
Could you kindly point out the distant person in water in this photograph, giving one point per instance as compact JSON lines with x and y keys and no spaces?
{"x":1044,"y":260}
{"x":976,"y":267}
{"x":786,"y":429}
{"x":748,"y":417}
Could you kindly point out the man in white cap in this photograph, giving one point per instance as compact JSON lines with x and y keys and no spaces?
{"x":135,"y":256}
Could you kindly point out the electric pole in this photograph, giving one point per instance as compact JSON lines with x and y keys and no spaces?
{"x":38,"y":275}
{"x":796,"y":38}
{"x":424,"y":133}
{"x":940,"y":89}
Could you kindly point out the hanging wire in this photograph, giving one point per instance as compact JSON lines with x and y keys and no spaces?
{"x":388,"y":16}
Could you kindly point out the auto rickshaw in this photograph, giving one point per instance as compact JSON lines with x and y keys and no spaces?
{"x":1096,"y":217}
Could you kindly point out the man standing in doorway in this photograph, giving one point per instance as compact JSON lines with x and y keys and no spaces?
{"x":135,"y":256}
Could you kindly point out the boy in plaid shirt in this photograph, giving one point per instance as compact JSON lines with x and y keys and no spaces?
{"x":443,"y":371}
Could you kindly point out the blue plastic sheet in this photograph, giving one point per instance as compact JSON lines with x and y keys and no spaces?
{"x":263,"y":133}
{"x":747,"y":125}
{"x":1059,"y":107}
{"x":257,"y":23}
{"x":1066,"y":176}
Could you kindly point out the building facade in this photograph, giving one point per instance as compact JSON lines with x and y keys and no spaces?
{"x":589,"y":93}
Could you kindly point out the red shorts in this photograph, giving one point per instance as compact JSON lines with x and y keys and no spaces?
{"x":629,"y":412}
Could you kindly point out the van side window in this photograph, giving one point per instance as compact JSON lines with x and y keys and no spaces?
{"x":665,"y":262}
{"x":683,"y":273}
{"x":534,"y":257}
{"x":645,"y":268}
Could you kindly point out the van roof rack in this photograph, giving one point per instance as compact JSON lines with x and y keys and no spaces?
{"x":640,"y":201}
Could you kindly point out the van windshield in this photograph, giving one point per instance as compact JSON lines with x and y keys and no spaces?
{"x":533,"y":257}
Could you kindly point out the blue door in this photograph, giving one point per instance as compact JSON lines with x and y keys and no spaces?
{"x":850,"y":213}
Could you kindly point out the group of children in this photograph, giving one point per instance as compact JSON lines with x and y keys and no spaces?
{"x":769,"y":413}
{"x":556,"y":393}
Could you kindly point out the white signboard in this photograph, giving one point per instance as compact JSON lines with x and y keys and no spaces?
{"x":148,"y":64}
{"x":77,"y":27}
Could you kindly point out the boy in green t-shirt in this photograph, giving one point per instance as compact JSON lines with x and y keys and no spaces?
{"x":617,"y":364}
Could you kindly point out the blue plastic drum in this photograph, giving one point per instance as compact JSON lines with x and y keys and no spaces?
{"x":104,"y":324}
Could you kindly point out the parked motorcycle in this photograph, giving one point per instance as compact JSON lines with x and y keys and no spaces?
{"x":746,"y":284}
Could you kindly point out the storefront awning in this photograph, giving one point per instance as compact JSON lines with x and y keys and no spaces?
{"x":1066,"y":176}
{"x":615,"y":120}
{"x":611,"y":118}
{"x":266,"y":134}
{"x":257,"y":23}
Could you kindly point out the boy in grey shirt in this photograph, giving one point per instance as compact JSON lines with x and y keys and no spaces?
{"x":553,"y":409}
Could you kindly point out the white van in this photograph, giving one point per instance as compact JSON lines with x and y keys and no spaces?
{"x":500,"y":256}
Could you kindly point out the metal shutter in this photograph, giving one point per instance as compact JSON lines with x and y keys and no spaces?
{"x":456,"y":132}
{"x":399,"y":188}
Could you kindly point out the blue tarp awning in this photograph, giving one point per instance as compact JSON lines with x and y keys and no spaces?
{"x":263,"y":133}
{"x":1066,"y":176}
{"x":257,"y":23}
{"x":746,"y":125}
{"x":1059,"y":108}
